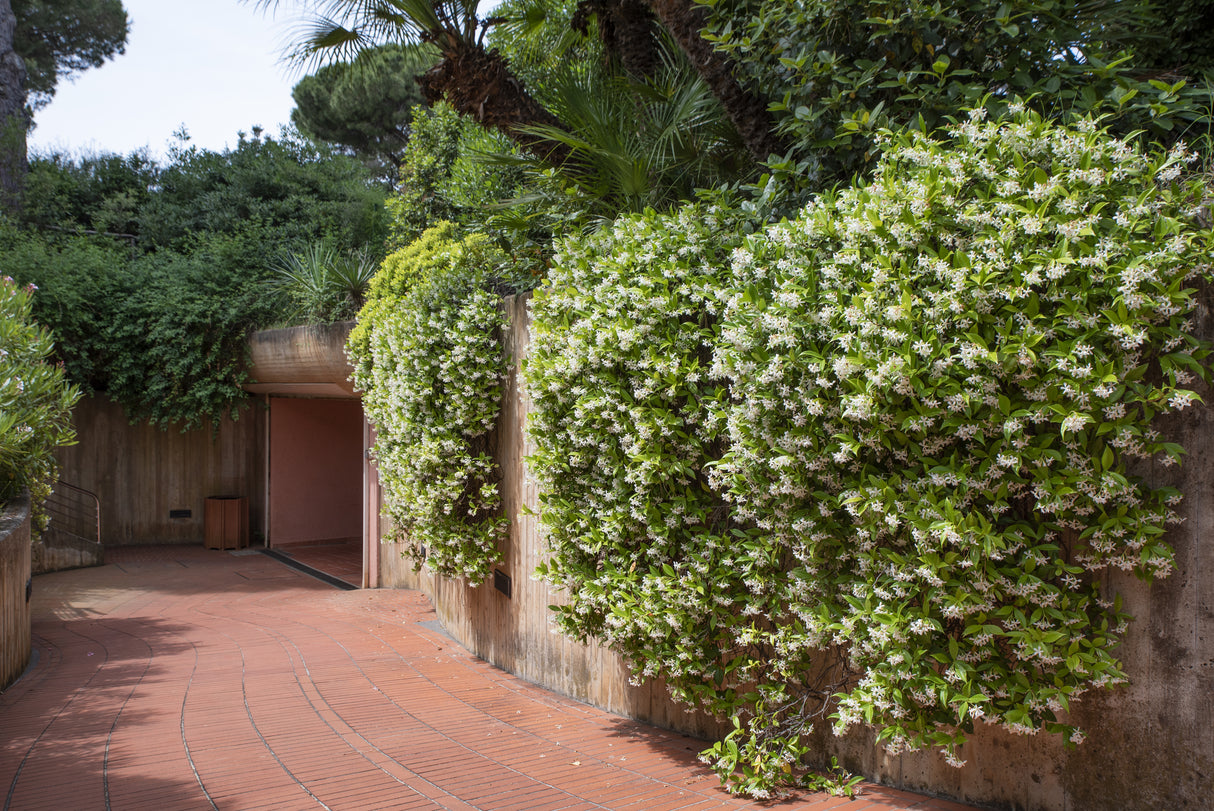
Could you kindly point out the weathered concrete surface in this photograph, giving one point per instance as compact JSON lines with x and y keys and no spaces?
{"x":146,"y":478}
{"x":55,"y":552}
{"x":304,"y":361}
{"x":15,"y":635}
{"x":1151,"y":743}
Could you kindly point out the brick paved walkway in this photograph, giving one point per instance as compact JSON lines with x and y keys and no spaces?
{"x":182,"y":678}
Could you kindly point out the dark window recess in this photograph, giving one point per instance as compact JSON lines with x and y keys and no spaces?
{"x":501,"y":581}
{"x":181,"y":513}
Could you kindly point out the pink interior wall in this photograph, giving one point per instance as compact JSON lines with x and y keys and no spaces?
{"x":316,"y":470}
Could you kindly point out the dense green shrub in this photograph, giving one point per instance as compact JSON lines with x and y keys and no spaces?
{"x":81,"y":285}
{"x":443,"y":176}
{"x":428,"y":358}
{"x":163,"y":334}
{"x":425,"y":258}
{"x":939,"y":382}
{"x":625,"y":424}
{"x":873,"y":463}
{"x":35,"y":401}
{"x":1178,"y":40}
{"x":178,"y":344}
{"x":294,"y":191}
{"x":159,"y":320}
{"x":101,"y":192}
{"x":839,"y":70}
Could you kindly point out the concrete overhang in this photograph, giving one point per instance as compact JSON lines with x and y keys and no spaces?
{"x":307,"y":361}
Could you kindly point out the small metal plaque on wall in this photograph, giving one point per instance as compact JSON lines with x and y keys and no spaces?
{"x":501,"y":581}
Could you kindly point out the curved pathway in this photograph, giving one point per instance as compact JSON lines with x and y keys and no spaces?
{"x":182,"y":678}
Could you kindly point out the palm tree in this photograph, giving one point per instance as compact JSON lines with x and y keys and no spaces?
{"x":628,"y":29}
{"x":684,"y":19}
{"x":478,"y":82}
{"x":638,"y":143}
{"x":472,"y":79}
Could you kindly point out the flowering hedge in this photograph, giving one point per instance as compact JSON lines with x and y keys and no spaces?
{"x":873,"y":463}
{"x":35,"y":401}
{"x":428,"y":358}
{"x":623,"y":422}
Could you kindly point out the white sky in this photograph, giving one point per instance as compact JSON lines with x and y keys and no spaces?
{"x":217,"y":71}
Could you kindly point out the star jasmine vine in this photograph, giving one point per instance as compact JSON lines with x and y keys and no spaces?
{"x":428,"y":358}
{"x":939,"y":381}
{"x":871,"y":463}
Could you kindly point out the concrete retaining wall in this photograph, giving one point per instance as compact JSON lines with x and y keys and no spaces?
{"x":1150,"y":745}
{"x":148,"y":479}
{"x":56,"y":552}
{"x":307,"y":361}
{"x":15,"y":638}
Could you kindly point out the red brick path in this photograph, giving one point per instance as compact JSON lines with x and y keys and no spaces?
{"x":182,"y":678}
{"x":343,"y":561}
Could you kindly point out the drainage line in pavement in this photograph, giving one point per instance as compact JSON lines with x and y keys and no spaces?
{"x":324,"y":577}
{"x":181,"y":730}
{"x":105,"y":759}
{"x":244,"y":694}
{"x":12,"y":787}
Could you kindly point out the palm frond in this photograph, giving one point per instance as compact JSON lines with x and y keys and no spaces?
{"x":425,"y":16}
{"x":324,"y":285}
{"x":639,"y":143}
{"x":538,"y":29}
{"x":321,"y":40}
{"x":336,"y":30}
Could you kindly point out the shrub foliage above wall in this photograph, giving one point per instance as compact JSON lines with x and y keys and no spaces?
{"x":870,"y":463}
{"x":155,"y":311}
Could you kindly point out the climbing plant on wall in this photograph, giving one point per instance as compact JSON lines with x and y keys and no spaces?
{"x":871,"y":462}
{"x":428,"y":358}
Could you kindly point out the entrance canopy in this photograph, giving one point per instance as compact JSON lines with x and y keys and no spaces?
{"x":318,"y":482}
{"x":308,"y":361}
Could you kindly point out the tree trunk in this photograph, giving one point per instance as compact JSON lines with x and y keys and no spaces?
{"x":685,"y":20}
{"x":13,"y":121}
{"x":628,"y":31}
{"x":480,"y":84}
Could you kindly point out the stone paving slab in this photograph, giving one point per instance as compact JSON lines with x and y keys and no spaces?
{"x":185,"y":678}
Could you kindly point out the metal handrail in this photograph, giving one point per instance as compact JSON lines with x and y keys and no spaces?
{"x":62,"y":508}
